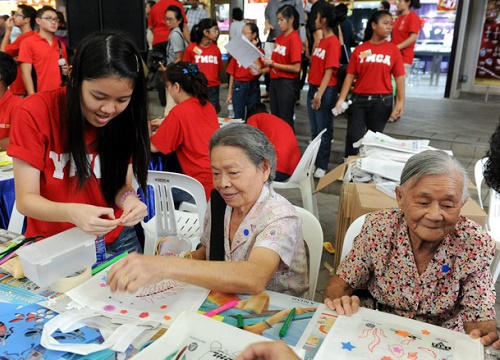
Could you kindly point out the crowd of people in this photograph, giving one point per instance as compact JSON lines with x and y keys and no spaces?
{"x":78,"y":133}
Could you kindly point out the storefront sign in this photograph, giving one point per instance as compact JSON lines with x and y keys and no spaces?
{"x":447,"y":5}
{"x":488,"y":63}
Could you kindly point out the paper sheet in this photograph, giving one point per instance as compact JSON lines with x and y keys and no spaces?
{"x":209,"y":339}
{"x":243,"y":50}
{"x":161,"y":302}
{"x":371,"y":334}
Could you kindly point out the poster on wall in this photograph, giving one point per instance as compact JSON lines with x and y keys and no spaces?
{"x":488,"y":62}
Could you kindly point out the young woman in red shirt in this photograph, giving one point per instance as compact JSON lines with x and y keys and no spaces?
{"x":405,"y":30}
{"x":322,"y":93}
{"x":372,"y":64}
{"x":204,"y":52}
{"x":284,"y":64}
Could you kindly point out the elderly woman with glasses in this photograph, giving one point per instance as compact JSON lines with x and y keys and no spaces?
{"x":423,"y":260}
{"x":252,"y":236}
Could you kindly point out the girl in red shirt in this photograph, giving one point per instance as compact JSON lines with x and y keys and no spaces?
{"x":285,"y":64}
{"x":372,"y":64}
{"x":405,"y":30}
{"x":322,"y":93}
{"x":244,"y":88}
{"x":204,"y":52}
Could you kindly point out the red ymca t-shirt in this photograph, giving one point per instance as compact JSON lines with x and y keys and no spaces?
{"x":239,"y":72}
{"x":287,"y":50}
{"x":187,"y":130}
{"x":374,"y":64}
{"x":35,"y":138}
{"x":44,"y":57}
{"x":326,"y":55}
{"x":156,"y":20}
{"x":208,"y":59}
{"x":8,"y":105}
{"x":17,"y":87}
{"x":401,"y":30}
{"x":281,"y":135}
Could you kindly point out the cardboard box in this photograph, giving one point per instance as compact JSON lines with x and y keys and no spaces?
{"x":357,"y":199}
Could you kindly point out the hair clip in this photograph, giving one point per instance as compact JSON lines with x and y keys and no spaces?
{"x":193,"y":69}
{"x":185,"y":71}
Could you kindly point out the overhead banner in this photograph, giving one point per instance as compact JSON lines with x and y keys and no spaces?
{"x":488,"y":63}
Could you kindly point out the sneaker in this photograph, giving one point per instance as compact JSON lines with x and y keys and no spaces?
{"x":319,"y":173}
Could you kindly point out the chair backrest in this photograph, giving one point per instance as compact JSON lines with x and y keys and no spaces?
{"x":350,"y":234}
{"x":479,"y":177}
{"x":312,"y":233}
{"x":494,"y":215}
{"x":16,"y":222}
{"x":305,"y":167}
{"x":167,"y":220}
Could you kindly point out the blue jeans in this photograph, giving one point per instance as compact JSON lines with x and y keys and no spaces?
{"x":213,"y":97}
{"x":367,"y":112}
{"x":246,"y":94}
{"x":320,"y":119}
{"x":127,"y":240}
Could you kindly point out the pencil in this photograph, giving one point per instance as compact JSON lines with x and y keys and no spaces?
{"x":286,"y":324}
{"x":109,"y":262}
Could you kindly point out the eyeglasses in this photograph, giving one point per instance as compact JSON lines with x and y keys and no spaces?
{"x":50,"y":19}
{"x":215,"y":30}
{"x":21,"y":15}
{"x":169,"y":19}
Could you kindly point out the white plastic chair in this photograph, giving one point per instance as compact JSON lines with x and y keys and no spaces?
{"x":168,"y":221}
{"x":352,"y":231}
{"x":16,"y":221}
{"x":302,"y":177}
{"x":479,"y":177}
{"x":312,"y":233}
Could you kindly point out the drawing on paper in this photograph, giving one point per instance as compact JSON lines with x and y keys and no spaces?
{"x":157,"y":302}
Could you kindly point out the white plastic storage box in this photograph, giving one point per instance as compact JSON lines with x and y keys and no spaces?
{"x":58,"y":256}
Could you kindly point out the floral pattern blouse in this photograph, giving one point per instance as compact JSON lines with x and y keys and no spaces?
{"x":456,"y":287}
{"x":272,"y":223}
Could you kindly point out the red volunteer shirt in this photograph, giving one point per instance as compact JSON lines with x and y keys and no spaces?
{"x":326,"y":55}
{"x":208,"y":59}
{"x":287,"y":50}
{"x":401,"y":30}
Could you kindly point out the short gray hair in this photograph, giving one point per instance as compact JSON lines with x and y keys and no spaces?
{"x":433,"y":162}
{"x":251,"y":140}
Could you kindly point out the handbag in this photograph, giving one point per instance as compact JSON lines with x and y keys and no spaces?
{"x":344,"y":61}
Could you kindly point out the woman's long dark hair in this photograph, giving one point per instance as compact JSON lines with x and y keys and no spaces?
{"x":125,"y":138}
{"x":374,"y":19}
{"x":255,"y":30}
{"x":189,"y":78}
{"x":197,"y":30}
{"x":328,"y":13}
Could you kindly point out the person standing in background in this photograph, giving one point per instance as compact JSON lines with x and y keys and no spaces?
{"x":195,"y":13}
{"x":41,"y":55}
{"x":372,"y":64}
{"x":8,"y":102}
{"x":3,"y":19}
{"x":322,"y":93}
{"x":157,"y":24}
{"x":285,"y":65}
{"x":204,"y":52}
{"x":24,"y":18}
{"x":237,"y":25}
{"x":405,"y":30}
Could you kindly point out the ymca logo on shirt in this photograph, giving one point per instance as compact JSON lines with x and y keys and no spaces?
{"x":206,"y":59}
{"x":319,"y":53}
{"x":280,"y":49}
{"x":61,"y":161}
{"x":367,"y":56}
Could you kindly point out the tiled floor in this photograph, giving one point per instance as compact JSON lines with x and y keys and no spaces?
{"x":463,"y":126}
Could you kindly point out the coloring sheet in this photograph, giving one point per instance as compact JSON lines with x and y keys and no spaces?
{"x":209,"y":339}
{"x":374,"y":335}
{"x":160,"y":302}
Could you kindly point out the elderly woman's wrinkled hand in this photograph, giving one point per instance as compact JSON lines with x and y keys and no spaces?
{"x":346,"y":305}
{"x":487,"y":338}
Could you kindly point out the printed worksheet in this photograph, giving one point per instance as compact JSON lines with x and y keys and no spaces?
{"x":375,"y":335}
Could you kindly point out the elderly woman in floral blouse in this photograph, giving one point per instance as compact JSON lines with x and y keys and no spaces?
{"x":423,"y":261}
{"x":259,"y":245}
